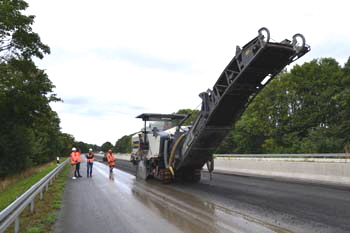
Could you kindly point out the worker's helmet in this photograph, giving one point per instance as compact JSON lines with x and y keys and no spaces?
{"x":74,"y":149}
{"x":90,"y":149}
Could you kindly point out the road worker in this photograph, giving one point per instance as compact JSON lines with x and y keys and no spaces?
{"x":90,"y":161}
{"x":111,"y":162}
{"x":77,"y":166}
{"x":73,"y":161}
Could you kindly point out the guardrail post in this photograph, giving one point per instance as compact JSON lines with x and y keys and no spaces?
{"x":17,"y":225}
{"x":41,"y":194}
{"x":47,"y":187}
{"x":32,"y":206}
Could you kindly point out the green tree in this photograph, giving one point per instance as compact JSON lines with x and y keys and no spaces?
{"x":66,"y":142}
{"x":298,"y":112}
{"x":29,"y":126}
{"x":17,"y":40}
{"x":123,"y":145}
{"x":193,"y":115}
{"x":342,"y":99}
{"x":106,"y":146}
{"x":30,"y":132}
{"x":83,"y":147}
{"x":346,"y":67}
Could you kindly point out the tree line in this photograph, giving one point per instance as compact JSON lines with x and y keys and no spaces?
{"x":304,"y":110}
{"x":122,"y":145}
{"x":30,"y":130}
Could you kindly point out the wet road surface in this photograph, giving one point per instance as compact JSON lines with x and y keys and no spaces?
{"x":225,"y":204}
{"x":296,"y":206}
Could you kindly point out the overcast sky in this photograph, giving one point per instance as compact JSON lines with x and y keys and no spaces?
{"x":113,"y":60}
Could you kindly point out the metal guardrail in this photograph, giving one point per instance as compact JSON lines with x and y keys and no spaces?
{"x":326,"y":155}
{"x":12,"y":213}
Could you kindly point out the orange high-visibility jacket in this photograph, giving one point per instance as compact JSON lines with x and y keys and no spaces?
{"x":110,"y":159}
{"x":90,"y":157}
{"x":74,"y":158}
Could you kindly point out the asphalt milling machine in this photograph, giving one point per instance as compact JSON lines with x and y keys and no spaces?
{"x":167,"y":150}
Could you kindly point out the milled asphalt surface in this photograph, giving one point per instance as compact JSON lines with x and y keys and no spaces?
{"x":225,"y":204}
{"x":298,"y":207}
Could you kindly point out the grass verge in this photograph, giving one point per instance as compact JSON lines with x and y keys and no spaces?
{"x":46,"y":210}
{"x":15,"y":186}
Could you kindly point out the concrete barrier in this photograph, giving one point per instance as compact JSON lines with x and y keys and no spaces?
{"x":315,"y":170}
{"x":329,"y":171}
{"x":123,"y":156}
{"x":99,"y":156}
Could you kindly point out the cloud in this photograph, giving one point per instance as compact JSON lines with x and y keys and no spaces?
{"x":143,"y":59}
{"x":114,"y":60}
{"x":76,"y":101}
{"x":90,"y":107}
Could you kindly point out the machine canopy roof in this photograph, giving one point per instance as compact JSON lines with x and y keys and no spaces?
{"x":161,"y":117}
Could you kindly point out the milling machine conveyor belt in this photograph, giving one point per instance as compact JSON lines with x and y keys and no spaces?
{"x":236,"y":87}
